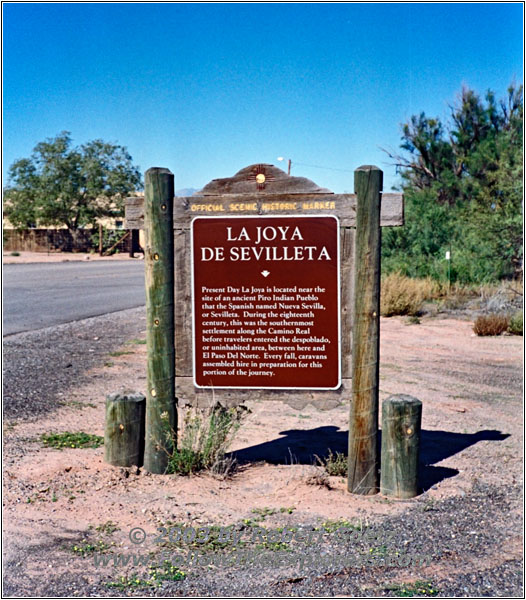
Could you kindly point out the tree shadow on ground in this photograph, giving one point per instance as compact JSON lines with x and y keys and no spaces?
{"x":303,"y":446}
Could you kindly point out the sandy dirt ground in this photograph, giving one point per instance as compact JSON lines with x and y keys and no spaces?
{"x":471,"y":389}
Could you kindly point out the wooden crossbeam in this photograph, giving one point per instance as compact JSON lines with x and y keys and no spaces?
{"x":340,"y":205}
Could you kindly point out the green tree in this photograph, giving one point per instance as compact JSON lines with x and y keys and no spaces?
{"x":463,"y":187}
{"x":61,"y":185}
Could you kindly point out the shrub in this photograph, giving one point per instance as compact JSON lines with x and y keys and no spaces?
{"x":334,"y":464}
{"x":401,"y":295}
{"x":516,"y":323}
{"x":186,"y":461}
{"x":204,"y":442}
{"x":491,"y":324}
{"x":15,"y":253}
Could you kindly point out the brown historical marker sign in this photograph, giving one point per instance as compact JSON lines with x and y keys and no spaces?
{"x":266,"y":302}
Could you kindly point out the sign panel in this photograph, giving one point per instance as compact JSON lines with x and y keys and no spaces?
{"x":266,"y":302}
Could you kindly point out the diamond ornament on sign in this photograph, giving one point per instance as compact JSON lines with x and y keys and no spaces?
{"x":265,"y":273}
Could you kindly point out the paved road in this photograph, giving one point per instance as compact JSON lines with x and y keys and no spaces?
{"x":41,"y":295}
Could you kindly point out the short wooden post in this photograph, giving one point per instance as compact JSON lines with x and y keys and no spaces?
{"x":363,"y":422}
{"x":401,"y":424}
{"x":161,"y":413}
{"x":124,"y":429}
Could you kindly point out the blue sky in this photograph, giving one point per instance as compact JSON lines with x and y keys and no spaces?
{"x":207,"y":89}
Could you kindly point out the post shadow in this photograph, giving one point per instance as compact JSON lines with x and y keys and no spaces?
{"x":302,"y":446}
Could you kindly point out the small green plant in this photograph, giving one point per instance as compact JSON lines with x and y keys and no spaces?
{"x":123,"y":583}
{"x":136,"y":341}
{"x":416,"y":588}
{"x":156,"y":575}
{"x":85,"y":548}
{"x":378,"y":551}
{"x":331,"y":526}
{"x":15,"y":253}
{"x":165,"y":572}
{"x":251,"y":522}
{"x":287,"y":509}
{"x":42,"y":496}
{"x":176,"y":537}
{"x":71,"y":440}
{"x":491,"y":325}
{"x":264,"y":512}
{"x":109,"y":364}
{"x":334,"y":464}
{"x":204,"y":442}
{"x":516,"y":323}
{"x":107,"y":528}
{"x":273,"y":546}
{"x":413,"y":320}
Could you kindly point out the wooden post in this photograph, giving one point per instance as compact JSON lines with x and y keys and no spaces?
{"x":100,"y":239}
{"x":161,"y":414}
{"x":131,"y":246}
{"x":401,"y":424}
{"x":124,"y":429}
{"x":363,"y":422}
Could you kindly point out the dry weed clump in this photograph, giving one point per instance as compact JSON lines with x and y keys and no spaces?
{"x":317,"y":476}
{"x":491,"y":324}
{"x":401,"y":295}
{"x":459,"y":296}
{"x":204,"y":442}
{"x":334,"y":464}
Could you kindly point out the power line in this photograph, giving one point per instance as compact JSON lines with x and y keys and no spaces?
{"x":320,"y":167}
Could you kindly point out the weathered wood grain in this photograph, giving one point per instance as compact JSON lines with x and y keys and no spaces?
{"x":363,"y":422}
{"x":188,"y":395}
{"x":183,"y":304}
{"x":161,"y":414}
{"x":347,"y":283}
{"x":401,"y":424}
{"x":263,"y":178}
{"x":341,"y":205}
{"x":124,"y":429}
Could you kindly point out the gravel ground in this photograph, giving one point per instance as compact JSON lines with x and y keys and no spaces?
{"x":447,"y":532}
{"x":472,"y":541}
{"x":66,"y":352}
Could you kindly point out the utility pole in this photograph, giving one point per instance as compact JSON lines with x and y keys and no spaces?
{"x":289,"y":163}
